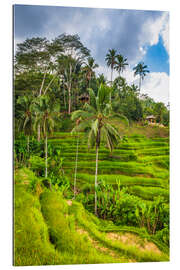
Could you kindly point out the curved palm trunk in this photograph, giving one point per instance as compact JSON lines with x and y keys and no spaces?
{"x":97,"y":150}
{"x":75,"y":173}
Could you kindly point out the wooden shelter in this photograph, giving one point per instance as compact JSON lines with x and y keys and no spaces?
{"x":84,"y":98}
{"x":151,"y":119}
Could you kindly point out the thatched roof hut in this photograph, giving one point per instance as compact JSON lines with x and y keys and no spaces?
{"x":151,"y":118}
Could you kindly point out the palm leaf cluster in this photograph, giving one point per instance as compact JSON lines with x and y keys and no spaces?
{"x":95,"y":118}
{"x":141,"y":70}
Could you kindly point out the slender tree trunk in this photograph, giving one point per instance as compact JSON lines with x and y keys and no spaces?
{"x":95,"y":184}
{"x":75,"y":173}
{"x":140,"y":83}
{"x":69,"y":92}
{"x":28,"y":144}
{"x":69,"y":105}
{"x":49,"y":84}
{"x":38,"y":133}
{"x":42,"y":84}
{"x":46,"y":173}
{"x":111,"y":84}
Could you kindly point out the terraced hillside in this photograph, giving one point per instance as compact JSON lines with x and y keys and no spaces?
{"x":133,"y":206}
{"x":50,"y":230}
{"x":141,"y":164}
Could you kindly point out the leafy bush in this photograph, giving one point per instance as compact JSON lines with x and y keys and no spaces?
{"x":163,"y":235}
{"x":37,"y":164}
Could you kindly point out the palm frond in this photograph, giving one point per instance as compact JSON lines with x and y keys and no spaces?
{"x":91,"y":139}
{"x":81,"y":114}
{"x":95,"y":127}
{"x":83,"y":126}
{"x":119,"y":117}
{"x":92,"y":98}
{"x":89,"y":108}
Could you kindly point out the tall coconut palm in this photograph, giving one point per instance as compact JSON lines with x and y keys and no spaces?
{"x":121,"y":63}
{"x":111,"y":62}
{"x":89,"y":68}
{"x":24,"y":116}
{"x":96,"y":118}
{"x":46,"y":113}
{"x":141,"y":70}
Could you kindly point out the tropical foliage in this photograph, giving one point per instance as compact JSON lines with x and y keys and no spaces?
{"x":85,"y":146}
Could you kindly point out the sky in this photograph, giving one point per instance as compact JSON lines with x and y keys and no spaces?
{"x":136,"y":34}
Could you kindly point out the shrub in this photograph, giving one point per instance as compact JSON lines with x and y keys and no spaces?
{"x":37,"y":164}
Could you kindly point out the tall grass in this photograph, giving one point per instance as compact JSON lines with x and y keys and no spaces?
{"x":31,"y":240}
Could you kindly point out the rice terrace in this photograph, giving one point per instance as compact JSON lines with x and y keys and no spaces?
{"x":91,"y":152}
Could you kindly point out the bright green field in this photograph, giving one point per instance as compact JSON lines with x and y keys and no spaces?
{"x":141,"y":163}
{"x":50,"y":230}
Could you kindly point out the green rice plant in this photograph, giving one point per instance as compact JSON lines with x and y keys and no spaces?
{"x":154,"y":151}
{"x":149,"y":193}
{"x":128,"y":168}
{"x":124,"y":179}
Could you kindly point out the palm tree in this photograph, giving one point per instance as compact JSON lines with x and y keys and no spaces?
{"x":120,"y":63}
{"x":141,"y":70}
{"x":25,"y":116}
{"x":89,"y":68}
{"x":111,"y":62}
{"x":96,"y":118}
{"x":46,"y":113}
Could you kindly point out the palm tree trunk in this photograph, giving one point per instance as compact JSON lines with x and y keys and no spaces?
{"x":75,"y":173}
{"x":46,"y":174}
{"x":97,"y":149}
{"x":111,"y":84}
{"x":140,"y":83}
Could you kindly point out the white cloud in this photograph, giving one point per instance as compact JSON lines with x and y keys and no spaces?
{"x":165,"y":33}
{"x":156,"y":85}
{"x":153,"y":28}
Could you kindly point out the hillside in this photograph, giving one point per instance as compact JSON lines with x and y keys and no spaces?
{"x":52,"y":228}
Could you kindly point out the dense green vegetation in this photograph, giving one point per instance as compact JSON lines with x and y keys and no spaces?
{"x":91,"y":174}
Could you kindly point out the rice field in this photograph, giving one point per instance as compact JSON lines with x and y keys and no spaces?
{"x":141,"y":163}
